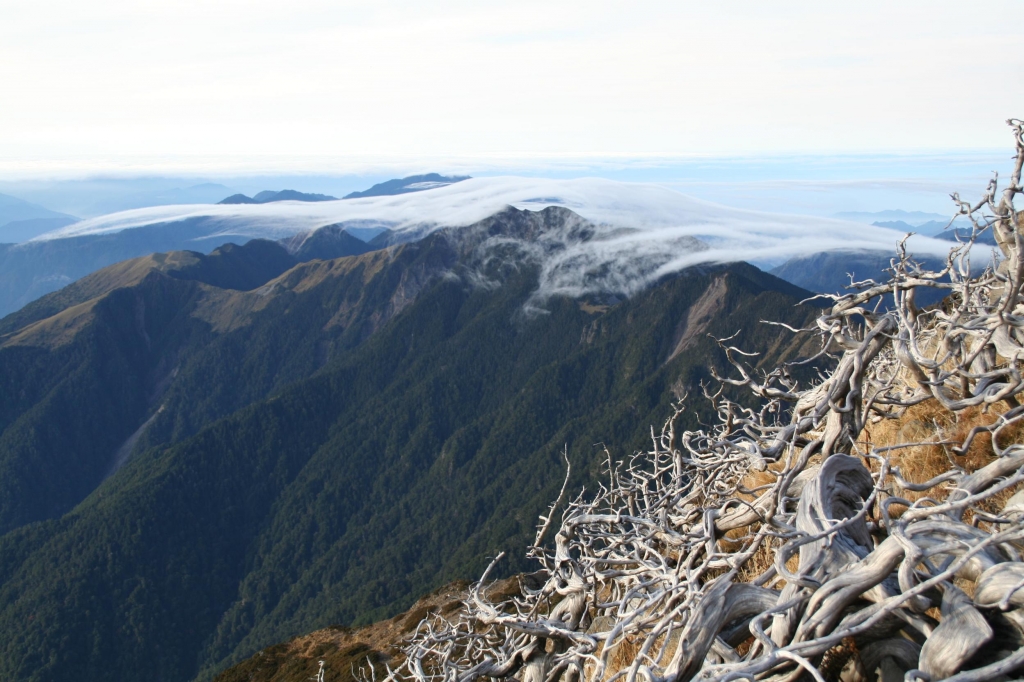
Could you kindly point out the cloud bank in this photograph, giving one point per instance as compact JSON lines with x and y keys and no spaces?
{"x":642,"y":231}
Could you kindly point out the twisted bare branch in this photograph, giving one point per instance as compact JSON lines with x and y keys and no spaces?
{"x":783,"y":542}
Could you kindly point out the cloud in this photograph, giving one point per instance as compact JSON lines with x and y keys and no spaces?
{"x":642,"y":231}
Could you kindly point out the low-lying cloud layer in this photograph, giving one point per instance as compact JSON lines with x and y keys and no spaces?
{"x":643,"y":231}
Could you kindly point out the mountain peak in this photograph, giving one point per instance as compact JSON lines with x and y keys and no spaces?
{"x":413,"y":183}
{"x":325,"y":243}
{"x":267,"y":196}
{"x":21,"y":220}
{"x":238,"y":199}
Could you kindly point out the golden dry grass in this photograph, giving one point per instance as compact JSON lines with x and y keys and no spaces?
{"x":346,"y":649}
{"x":56,"y":331}
{"x":931,"y":423}
{"x":764,"y":556}
{"x":624,"y":654}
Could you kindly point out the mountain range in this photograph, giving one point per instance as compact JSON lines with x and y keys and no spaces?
{"x":28,"y":271}
{"x":268,"y":196}
{"x":913,"y":218}
{"x":413,"y":183}
{"x":95,"y":196}
{"x":640,"y":232}
{"x":31,"y":270}
{"x":833,"y":271}
{"x":202,"y":455}
{"x":958,"y":230}
{"x":21,"y":220}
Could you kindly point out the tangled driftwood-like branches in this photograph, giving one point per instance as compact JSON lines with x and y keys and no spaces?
{"x":836,"y":566}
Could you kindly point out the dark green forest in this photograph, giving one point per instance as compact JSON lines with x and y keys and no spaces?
{"x":324,"y":442}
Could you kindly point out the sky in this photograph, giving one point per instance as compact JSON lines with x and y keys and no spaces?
{"x":215,"y":88}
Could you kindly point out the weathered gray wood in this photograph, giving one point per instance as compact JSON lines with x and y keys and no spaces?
{"x":641,"y":565}
{"x":1014,"y":507}
{"x":1001,"y":586}
{"x":744,"y":514}
{"x":826,"y":605}
{"x":993,"y":671}
{"x":939,"y":533}
{"x":988,"y":475}
{"x":889,"y":658}
{"x":962,"y":632}
{"x":724,"y":602}
{"x":836,"y":493}
{"x":749,"y":602}
{"x":889,"y":670}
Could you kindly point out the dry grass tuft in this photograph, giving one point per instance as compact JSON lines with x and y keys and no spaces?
{"x":763,"y":559}
{"x":929,"y":423}
{"x":626,"y":651}
{"x":942,"y":430}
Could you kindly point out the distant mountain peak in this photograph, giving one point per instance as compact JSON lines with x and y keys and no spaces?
{"x":413,"y":183}
{"x":238,"y":199}
{"x":325,"y":243}
{"x":913,"y":218}
{"x":21,"y":220}
{"x":267,"y":196}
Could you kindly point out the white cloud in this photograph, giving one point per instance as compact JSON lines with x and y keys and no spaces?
{"x":643,"y":231}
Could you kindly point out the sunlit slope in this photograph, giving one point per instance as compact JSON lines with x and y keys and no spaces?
{"x":31,"y":270}
{"x":151,"y":342}
{"x":230,"y":267}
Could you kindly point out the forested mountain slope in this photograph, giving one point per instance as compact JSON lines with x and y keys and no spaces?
{"x":322,"y":448}
{"x":834,"y":272}
{"x":33,"y":269}
{"x":153,"y":341}
{"x":21,"y":220}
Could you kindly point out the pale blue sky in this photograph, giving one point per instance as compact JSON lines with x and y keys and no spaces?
{"x":807,"y":184}
{"x":227,"y":88}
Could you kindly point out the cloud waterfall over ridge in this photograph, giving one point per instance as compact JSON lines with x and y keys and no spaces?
{"x":640,"y":231}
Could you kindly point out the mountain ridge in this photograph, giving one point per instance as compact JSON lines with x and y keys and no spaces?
{"x":639,"y":225}
{"x":412,"y":183}
{"x":287,"y":445}
{"x":22,"y":220}
{"x":268,"y":196}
